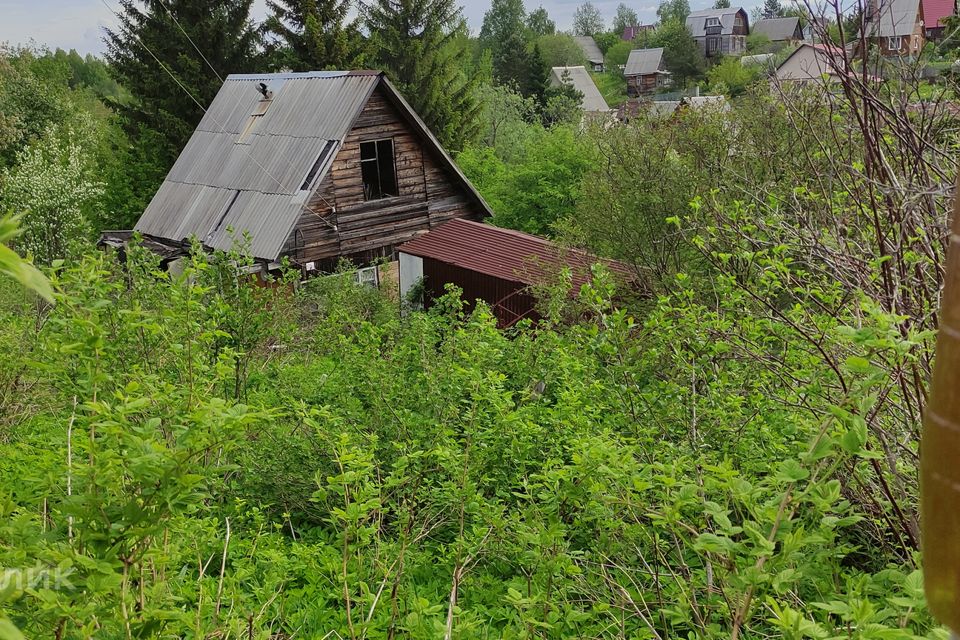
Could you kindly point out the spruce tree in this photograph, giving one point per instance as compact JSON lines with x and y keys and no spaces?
{"x":223,"y":32}
{"x":504,"y":34}
{"x":420,"y":44}
{"x":537,"y":76}
{"x":307,"y":35}
{"x":771,"y":9}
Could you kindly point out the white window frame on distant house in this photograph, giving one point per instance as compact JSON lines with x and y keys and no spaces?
{"x":894,"y":43}
{"x":712,"y":22}
{"x":368,"y":277}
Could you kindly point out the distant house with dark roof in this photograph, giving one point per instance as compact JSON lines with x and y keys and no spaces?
{"x":780,"y":30}
{"x":498,"y":266}
{"x":720,"y":31}
{"x":591,"y":52}
{"x":313,"y":167}
{"x":896,"y":27}
{"x":646,"y":72}
{"x":579,"y":79}
{"x":934,"y":11}
{"x":632,"y":32}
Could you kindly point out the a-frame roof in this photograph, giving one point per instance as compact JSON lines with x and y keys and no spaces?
{"x":244,"y":174}
{"x":779,"y":29}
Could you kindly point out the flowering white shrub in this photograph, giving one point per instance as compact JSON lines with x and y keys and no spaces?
{"x":51,"y":186}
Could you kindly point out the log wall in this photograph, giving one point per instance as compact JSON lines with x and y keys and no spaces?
{"x":339,"y":222}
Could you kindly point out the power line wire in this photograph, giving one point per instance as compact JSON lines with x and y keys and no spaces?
{"x":220,"y":78}
{"x":177,"y":22}
{"x":223,"y":128}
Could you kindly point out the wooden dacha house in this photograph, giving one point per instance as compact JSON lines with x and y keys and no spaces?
{"x":720,"y":31}
{"x":312,"y":167}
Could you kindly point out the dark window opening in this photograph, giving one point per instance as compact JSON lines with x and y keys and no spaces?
{"x":315,"y":169}
{"x":378,"y":168}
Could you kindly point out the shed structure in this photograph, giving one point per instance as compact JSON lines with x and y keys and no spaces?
{"x":646,"y":72}
{"x":631,"y":32}
{"x":498,"y":266}
{"x":896,"y":27}
{"x":934,"y":11}
{"x":579,"y":79}
{"x":780,"y":30}
{"x":313,"y":167}
{"x":591,"y":52}
{"x":809,"y":63}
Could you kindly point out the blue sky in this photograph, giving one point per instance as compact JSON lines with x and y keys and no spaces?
{"x":78,"y":24}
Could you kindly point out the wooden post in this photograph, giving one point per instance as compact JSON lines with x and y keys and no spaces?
{"x":940,"y":451}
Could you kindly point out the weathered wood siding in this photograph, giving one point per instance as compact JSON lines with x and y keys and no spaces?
{"x":428,"y":195}
{"x":640,"y":85}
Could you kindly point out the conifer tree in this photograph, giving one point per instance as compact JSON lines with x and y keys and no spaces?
{"x":771,"y":9}
{"x":537,"y":79}
{"x":308,"y":35}
{"x":504,"y":34}
{"x":419,"y":44}
{"x":223,"y":32}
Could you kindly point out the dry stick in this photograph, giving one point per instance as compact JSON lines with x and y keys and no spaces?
{"x":345,"y":556}
{"x":201,"y":570}
{"x":123,"y":598}
{"x":223,"y":568}
{"x":452,"y":601}
{"x":73,"y":415}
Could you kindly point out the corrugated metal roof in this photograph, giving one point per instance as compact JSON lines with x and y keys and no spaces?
{"x":219,"y":184}
{"x":758,"y":59}
{"x":697,"y":20}
{"x":662,"y":108}
{"x":579,"y":79}
{"x":934,"y":11}
{"x":590,"y":49}
{"x":234,"y":179}
{"x":643,"y":62}
{"x":506,"y":254}
{"x":894,"y":18}
{"x":778,"y":29}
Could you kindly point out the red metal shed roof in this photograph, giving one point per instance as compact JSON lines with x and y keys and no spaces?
{"x":506,"y":254}
{"x":936,"y":10}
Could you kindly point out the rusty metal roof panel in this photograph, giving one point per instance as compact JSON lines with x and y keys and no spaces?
{"x":505,"y":254}
{"x":247,"y":159}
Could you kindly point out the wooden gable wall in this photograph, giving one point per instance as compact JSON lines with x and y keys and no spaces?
{"x":428,"y":195}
